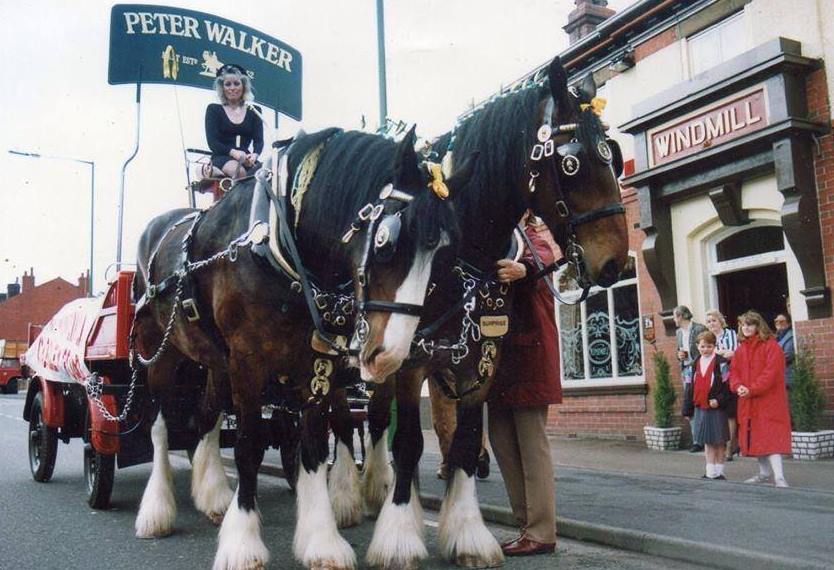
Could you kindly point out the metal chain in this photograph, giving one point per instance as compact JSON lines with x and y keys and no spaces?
{"x":93,"y":384}
{"x":468,"y":327}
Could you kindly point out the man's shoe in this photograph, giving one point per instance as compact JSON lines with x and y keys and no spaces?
{"x":482,"y":469}
{"x":528,"y":547}
{"x":758,"y":479}
{"x":720,"y":478}
{"x":781,"y":483}
{"x":696,"y":447}
{"x":511,"y":542}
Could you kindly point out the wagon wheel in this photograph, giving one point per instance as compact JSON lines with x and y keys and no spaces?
{"x":99,"y":469}
{"x":43,"y":443}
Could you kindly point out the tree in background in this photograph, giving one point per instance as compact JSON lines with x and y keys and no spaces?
{"x":807,"y":398}
{"x":664,"y":394}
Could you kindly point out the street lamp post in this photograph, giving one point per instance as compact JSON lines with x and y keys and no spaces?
{"x":92,"y":166}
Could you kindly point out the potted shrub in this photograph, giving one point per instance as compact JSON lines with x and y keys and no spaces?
{"x":807,"y":400}
{"x":662,"y":435}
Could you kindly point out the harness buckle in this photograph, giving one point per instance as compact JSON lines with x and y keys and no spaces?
{"x":189,"y":307}
{"x":366,"y":212}
{"x":376,"y":212}
{"x":562,"y":209}
{"x":549,"y":148}
{"x":151,"y":292}
{"x":537,"y":152}
{"x":348,"y":235}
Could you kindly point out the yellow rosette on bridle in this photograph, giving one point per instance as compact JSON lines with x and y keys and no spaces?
{"x":437,"y":185}
{"x":596,"y":105}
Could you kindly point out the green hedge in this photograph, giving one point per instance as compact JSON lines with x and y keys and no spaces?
{"x":806,"y":394}
{"x":663,"y":394}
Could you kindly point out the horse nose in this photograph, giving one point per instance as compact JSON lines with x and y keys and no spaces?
{"x":609,"y":274}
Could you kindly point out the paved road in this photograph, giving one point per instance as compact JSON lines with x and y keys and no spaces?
{"x":48,"y":526}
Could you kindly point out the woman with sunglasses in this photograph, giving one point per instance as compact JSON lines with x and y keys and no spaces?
{"x":234,"y":132}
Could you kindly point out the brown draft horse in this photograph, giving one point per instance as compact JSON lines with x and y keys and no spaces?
{"x":253,"y":327}
{"x":541,"y":147}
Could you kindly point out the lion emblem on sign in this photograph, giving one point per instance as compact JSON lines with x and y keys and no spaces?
{"x":210,"y":64}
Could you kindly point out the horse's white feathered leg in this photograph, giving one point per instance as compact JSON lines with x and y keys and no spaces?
{"x":317,"y":542}
{"x":158,"y":508}
{"x":239,"y":543}
{"x":209,"y":486}
{"x":463,"y":537}
{"x":378,"y":475}
{"x":398,"y":534}
{"x":343,"y":487}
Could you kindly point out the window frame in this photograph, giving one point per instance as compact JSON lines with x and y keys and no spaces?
{"x":615,"y":379}
{"x":736,"y":17}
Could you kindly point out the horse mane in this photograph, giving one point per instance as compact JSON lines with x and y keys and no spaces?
{"x":352,"y":170}
{"x":503,"y":132}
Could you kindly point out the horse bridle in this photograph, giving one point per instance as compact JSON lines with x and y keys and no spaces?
{"x":569,"y":166}
{"x":380,"y":238}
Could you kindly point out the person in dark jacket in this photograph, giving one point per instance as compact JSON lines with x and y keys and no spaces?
{"x":784,"y":336}
{"x":708,"y":401}
{"x":526,"y":383}
{"x":686,"y":337}
{"x":235,"y":132}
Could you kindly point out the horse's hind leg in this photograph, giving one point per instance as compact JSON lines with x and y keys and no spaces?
{"x":462,"y":534}
{"x":397,"y":542}
{"x":317,"y":542}
{"x":240,"y":546}
{"x":378,"y":474}
{"x":343,"y":484}
{"x":209,"y":487}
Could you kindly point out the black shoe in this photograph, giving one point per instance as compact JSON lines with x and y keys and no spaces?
{"x":704,"y":476}
{"x":482,"y":469}
{"x":720,"y":478}
{"x":696,"y":447}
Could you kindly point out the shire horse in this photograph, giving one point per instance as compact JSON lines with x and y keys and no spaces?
{"x":541,"y":147}
{"x":253,"y":329}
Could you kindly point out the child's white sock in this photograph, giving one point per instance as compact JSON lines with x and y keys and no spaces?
{"x":719,"y":469}
{"x":775,"y":461}
{"x":764,"y":466}
{"x":711,"y":470}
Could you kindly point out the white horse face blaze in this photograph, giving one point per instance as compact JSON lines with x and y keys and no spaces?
{"x":378,"y":360}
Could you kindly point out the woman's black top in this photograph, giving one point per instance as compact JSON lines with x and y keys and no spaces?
{"x":223,"y":135}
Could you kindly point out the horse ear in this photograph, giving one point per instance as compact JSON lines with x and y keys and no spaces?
{"x":462,"y":175}
{"x":588,"y":88}
{"x":558,"y":79}
{"x":406,"y":169}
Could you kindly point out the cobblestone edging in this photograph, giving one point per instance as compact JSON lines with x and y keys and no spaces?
{"x":812,"y":445}
{"x":662,"y":439}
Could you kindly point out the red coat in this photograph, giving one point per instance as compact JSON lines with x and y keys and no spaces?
{"x":528,"y":372}
{"x":764,"y":421}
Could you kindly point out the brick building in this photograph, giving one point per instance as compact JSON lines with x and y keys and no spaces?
{"x":36,"y":304}
{"x":723,"y":111}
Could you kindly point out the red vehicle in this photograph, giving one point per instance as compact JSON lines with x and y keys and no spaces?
{"x":10,"y":373}
{"x":80,"y":380}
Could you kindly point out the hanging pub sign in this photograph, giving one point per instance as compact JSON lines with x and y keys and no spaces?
{"x":728,"y":119}
{"x":160,"y":44}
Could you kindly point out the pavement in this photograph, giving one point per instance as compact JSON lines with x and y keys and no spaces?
{"x":623,"y":495}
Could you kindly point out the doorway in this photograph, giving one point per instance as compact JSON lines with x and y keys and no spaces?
{"x":762,"y":289}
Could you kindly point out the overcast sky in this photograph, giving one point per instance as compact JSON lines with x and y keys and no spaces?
{"x":441,"y":55}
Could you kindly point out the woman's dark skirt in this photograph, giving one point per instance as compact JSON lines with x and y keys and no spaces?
{"x":711,"y":426}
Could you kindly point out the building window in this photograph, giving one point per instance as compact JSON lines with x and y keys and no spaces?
{"x":600,"y":338}
{"x":717,"y":44}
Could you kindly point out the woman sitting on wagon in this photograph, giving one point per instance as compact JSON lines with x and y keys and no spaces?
{"x":232,"y":128}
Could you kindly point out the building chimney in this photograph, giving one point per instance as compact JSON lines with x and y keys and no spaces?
{"x":84,"y":282}
{"x":29,"y":279}
{"x":586,"y":17}
{"x":12,"y":289}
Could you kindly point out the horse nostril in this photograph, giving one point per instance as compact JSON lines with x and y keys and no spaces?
{"x":609,"y":274}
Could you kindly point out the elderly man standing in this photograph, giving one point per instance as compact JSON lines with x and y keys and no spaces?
{"x":784,"y":336}
{"x":687,"y":342}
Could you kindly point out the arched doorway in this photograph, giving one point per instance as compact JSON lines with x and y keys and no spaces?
{"x":749,"y":272}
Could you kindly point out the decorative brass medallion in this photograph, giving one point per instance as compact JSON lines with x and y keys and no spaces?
{"x":322,"y":367}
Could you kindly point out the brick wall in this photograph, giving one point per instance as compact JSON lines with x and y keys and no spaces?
{"x":818,"y":335}
{"x":35,"y":305}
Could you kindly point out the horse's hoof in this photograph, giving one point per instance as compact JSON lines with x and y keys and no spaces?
{"x":327,"y":565}
{"x":216,"y":518}
{"x":473,"y":561}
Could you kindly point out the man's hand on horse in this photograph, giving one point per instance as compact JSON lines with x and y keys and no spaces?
{"x":250,"y":159}
{"x":509,"y":270}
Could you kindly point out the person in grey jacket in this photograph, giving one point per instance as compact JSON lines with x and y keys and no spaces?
{"x":784,"y":336}
{"x":686,"y":337}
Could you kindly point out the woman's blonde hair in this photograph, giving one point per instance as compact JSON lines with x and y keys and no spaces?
{"x":248,"y":94}
{"x":718,"y":317}
{"x":754,"y":318}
